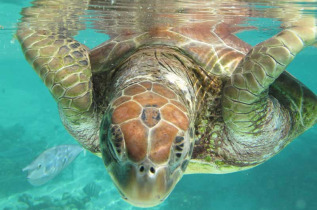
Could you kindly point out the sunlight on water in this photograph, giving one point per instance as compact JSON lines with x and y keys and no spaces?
{"x":30,"y":122}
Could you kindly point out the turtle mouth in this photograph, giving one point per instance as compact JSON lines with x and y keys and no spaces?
{"x":143,"y":185}
{"x":121,"y":193}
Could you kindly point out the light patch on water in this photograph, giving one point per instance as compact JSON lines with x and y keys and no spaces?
{"x":301,"y":204}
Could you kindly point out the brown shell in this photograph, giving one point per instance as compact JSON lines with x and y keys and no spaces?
{"x":217,"y":50}
{"x":207,"y":38}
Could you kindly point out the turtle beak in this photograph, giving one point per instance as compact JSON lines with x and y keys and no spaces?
{"x":144,"y":185}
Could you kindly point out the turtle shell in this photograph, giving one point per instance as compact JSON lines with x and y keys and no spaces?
{"x":207,"y":38}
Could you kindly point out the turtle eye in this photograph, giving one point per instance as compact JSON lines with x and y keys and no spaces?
{"x":39,"y":165}
{"x":178,"y":147}
{"x":117,"y":143}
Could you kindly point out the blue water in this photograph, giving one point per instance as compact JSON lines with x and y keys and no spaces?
{"x":29,"y":124}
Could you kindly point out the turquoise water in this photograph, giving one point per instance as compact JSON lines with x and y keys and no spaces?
{"x":29,"y":124}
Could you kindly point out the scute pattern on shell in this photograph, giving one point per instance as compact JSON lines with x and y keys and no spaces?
{"x":218,"y":51}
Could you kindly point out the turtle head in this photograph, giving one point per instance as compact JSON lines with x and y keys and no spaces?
{"x":146,"y":142}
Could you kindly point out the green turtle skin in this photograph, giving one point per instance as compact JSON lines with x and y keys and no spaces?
{"x":161,"y":102}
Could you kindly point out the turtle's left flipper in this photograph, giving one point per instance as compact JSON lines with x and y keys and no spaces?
{"x":251,"y":113}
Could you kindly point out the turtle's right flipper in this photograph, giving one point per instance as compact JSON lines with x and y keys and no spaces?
{"x":46,"y":35}
{"x":61,"y":62}
{"x":251,"y":114}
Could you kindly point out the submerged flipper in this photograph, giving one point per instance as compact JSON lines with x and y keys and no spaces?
{"x":245,"y":100}
{"x":46,"y":35}
{"x":263,"y":119}
{"x":263,"y":108}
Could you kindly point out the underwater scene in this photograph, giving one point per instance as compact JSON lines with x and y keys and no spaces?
{"x":30,"y":121}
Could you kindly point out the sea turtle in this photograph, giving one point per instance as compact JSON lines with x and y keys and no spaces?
{"x":165,"y":101}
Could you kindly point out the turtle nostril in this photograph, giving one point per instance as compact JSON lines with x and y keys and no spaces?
{"x":141,"y":168}
{"x":152,"y":170}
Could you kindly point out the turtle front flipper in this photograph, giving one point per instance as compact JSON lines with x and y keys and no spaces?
{"x":45,"y":34}
{"x":260,"y":122}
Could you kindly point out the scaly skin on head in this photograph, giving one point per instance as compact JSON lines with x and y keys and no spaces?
{"x":147,"y":131}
